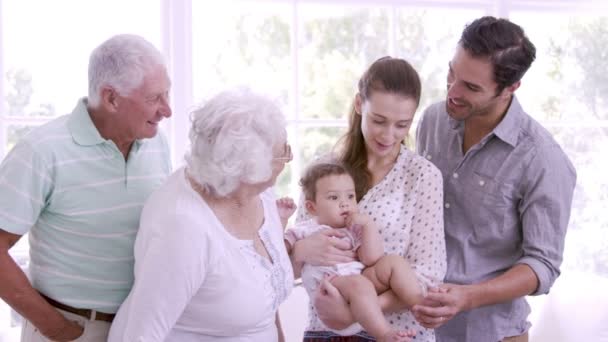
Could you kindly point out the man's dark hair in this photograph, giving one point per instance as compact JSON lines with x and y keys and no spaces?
{"x":504,"y":43}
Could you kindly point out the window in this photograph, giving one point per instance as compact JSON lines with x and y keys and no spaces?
{"x":44,"y":52}
{"x":566,"y":89}
{"x":309,"y":55}
{"x":572,"y":104}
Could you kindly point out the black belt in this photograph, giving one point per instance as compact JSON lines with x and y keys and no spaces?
{"x":87,"y":313}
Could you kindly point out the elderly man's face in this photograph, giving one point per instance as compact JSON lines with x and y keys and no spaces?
{"x":144,"y":108}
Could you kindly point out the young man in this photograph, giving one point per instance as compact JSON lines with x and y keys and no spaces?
{"x":508,"y":190}
{"x":77,"y":185}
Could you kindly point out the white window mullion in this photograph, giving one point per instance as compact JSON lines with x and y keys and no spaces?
{"x":295,"y":98}
{"x":501,"y":9}
{"x":392,"y":31}
{"x":177,"y":41}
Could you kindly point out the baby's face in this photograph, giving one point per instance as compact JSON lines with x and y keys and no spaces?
{"x":335,"y":199}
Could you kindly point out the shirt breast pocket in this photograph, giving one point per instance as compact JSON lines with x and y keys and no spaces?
{"x":493,"y":207}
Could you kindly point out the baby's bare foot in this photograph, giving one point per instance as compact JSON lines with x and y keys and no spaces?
{"x":398,"y":336}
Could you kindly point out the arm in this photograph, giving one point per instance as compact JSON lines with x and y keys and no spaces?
{"x":16,"y":291}
{"x":290,"y":238}
{"x":544,"y":213}
{"x":25,"y":186}
{"x":320,"y":248}
{"x":371,"y":247}
{"x":445,"y":302}
{"x":426,"y":252}
{"x":517,"y":282}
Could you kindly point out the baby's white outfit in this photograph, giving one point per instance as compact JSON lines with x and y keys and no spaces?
{"x":312,"y":275}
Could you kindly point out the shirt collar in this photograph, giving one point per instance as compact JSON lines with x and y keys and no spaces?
{"x":507,"y":129}
{"x":81,"y":127}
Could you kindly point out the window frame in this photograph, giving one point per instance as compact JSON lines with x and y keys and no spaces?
{"x":176,"y":45}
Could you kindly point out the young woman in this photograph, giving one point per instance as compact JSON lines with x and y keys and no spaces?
{"x":399,"y":190}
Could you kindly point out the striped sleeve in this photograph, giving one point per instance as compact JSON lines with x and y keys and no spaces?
{"x":25,"y":185}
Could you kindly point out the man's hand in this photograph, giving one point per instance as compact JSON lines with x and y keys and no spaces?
{"x":331,"y":307}
{"x":69,"y":332}
{"x":441,"y":304}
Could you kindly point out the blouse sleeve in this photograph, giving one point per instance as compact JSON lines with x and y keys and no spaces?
{"x":426,"y":252}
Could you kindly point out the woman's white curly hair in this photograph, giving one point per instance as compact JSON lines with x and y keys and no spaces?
{"x":232,"y":137}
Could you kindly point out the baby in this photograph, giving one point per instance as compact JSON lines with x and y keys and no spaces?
{"x":330,"y":199}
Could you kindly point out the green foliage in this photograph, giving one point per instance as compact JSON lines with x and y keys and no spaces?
{"x":19,"y":96}
{"x":577,"y":65}
{"x":334,"y":53}
{"x":362,"y":33}
{"x":589,"y":46}
{"x":19,"y":92}
{"x":319,"y":141}
{"x":582,"y":55}
{"x":18,"y":102}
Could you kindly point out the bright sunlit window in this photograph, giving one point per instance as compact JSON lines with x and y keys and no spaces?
{"x":308,"y":55}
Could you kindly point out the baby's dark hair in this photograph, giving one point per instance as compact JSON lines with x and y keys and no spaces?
{"x":318,"y":170}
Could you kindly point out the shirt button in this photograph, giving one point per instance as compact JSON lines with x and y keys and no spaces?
{"x":447,"y":205}
{"x":455,"y":175}
{"x":482,"y":183}
{"x":429,"y":157}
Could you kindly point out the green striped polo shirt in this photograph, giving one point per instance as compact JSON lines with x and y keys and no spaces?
{"x":80,"y":201}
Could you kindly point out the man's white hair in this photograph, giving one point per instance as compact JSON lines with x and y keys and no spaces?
{"x":121,"y":62}
{"x":232,"y":137}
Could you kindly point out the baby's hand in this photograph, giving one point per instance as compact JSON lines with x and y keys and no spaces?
{"x":286,"y":207}
{"x":356,"y":219}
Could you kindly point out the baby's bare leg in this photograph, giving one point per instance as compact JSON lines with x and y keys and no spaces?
{"x":395,"y":273}
{"x":361,"y":296}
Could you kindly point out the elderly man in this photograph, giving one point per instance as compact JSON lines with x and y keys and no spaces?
{"x":508,"y":191}
{"x":77,"y":184}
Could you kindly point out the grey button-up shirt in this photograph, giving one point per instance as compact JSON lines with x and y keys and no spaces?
{"x":507,"y":202}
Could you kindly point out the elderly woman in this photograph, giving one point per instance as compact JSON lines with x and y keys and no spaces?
{"x":210,"y":263}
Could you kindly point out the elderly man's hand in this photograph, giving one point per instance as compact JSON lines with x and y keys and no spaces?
{"x":69,"y":332}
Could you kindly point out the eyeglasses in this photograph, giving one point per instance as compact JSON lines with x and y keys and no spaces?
{"x":287,"y":155}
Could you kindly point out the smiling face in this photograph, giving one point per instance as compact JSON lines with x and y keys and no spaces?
{"x":144,"y":107}
{"x":335,"y":197}
{"x":472,"y":89}
{"x":386,"y":121}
